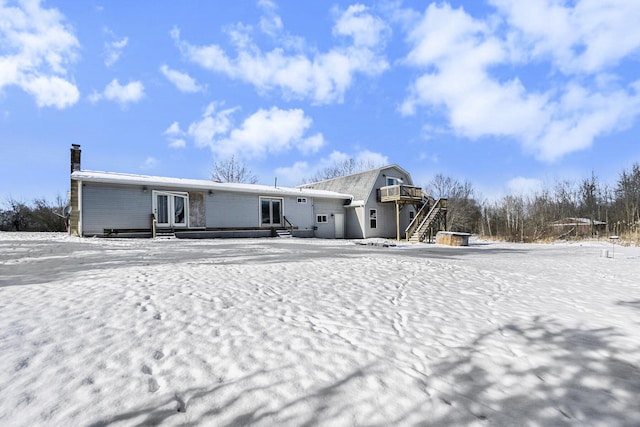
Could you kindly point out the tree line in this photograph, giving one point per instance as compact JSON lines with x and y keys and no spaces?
{"x":39,"y":215}
{"x":585,"y":208}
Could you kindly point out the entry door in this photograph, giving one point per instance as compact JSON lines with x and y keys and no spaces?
{"x":339,"y":225}
{"x":270,"y":212}
{"x":170,"y":209}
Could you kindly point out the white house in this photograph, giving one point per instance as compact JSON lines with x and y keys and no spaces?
{"x":380,"y":202}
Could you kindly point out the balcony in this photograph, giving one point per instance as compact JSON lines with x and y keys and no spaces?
{"x":401,"y":193}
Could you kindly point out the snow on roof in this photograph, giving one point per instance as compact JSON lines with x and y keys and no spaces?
{"x":183,"y":183}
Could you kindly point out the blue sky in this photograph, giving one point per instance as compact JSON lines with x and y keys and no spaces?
{"x":506,"y":94}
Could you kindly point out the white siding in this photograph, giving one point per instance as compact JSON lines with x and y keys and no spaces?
{"x":108,"y":206}
{"x":329,"y":208}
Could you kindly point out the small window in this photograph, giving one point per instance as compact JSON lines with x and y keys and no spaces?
{"x":393,"y":181}
{"x":302,"y":200}
{"x":412,"y":215}
{"x":320,"y":219}
{"x":373,"y":218}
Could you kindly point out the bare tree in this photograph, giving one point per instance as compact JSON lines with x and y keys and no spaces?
{"x":232,"y":170}
{"x":463,"y":211}
{"x":341,"y":168}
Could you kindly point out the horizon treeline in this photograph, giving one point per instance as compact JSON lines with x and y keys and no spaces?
{"x":585,"y":208}
{"x":39,"y":215}
{"x":551,"y":213}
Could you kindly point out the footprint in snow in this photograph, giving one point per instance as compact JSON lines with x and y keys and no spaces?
{"x":158,"y":355}
{"x":153,"y":385}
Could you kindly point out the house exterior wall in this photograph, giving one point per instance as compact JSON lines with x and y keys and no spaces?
{"x":386,"y":212}
{"x":355,"y":222}
{"x":117,"y":207}
{"x":327,"y":230}
{"x":299,"y":214}
{"x":227,"y":210}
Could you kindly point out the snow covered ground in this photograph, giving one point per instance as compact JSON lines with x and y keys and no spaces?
{"x":292,"y":332}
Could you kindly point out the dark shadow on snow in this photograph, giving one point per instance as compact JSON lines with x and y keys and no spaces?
{"x":539,"y":373}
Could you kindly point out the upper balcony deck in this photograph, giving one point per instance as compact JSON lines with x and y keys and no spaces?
{"x":401,"y":193}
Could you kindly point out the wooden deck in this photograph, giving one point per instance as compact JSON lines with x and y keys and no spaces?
{"x":401,"y":193}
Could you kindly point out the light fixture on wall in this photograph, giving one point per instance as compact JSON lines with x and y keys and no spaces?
{"x":144,"y":188}
{"x":210,"y":192}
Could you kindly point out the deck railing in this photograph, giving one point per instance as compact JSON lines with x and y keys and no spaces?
{"x":392,"y":193}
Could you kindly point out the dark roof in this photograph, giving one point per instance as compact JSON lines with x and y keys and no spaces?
{"x":358,"y":184}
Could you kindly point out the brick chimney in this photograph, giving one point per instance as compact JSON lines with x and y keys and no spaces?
{"x":75,"y":157}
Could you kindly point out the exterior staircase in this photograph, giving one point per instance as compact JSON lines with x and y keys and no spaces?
{"x":426,"y":218}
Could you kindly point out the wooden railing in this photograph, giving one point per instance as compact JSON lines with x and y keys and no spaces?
{"x":429,"y":212}
{"x":392,"y":193}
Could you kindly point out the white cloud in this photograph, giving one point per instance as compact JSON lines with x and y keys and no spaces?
{"x":51,"y":91}
{"x":122,"y":94}
{"x":175,"y":136}
{"x":37,"y":48}
{"x":301,"y":170}
{"x":367,"y":157}
{"x":270,"y":22}
{"x":524,"y":186}
{"x":213,"y":124}
{"x":322,"y":77}
{"x":458,"y":54}
{"x":581,"y":36}
{"x":183,"y":81}
{"x":365,"y":29}
{"x":149,"y":163}
{"x":113,"y":49}
{"x":293,"y":175}
{"x":264,"y":132}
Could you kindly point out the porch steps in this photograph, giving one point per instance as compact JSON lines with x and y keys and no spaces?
{"x":165,"y":234}
{"x":284,"y":233}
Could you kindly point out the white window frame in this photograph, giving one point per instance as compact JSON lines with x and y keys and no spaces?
{"x":373,"y":216}
{"x":322,"y":219}
{"x":302,"y":200}
{"x":396,"y":181}
{"x":271,"y":199}
{"x":171,"y":207}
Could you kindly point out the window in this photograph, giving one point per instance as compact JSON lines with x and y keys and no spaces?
{"x":394,"y":181}
{"x":322,"y":218}
{"x":302,"y":200}
{"x":373,"y":218}
{"x":412,"y":215}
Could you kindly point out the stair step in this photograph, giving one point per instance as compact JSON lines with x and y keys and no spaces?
{"x":165,"y":234}
{"x":284,"y":233}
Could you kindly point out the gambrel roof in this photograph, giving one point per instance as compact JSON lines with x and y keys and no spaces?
{"x":359,"y":184}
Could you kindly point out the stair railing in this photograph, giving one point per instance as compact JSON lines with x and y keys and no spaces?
{"x":436,"y":209}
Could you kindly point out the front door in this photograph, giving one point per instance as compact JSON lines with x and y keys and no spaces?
{"x":170,"y":208}
{"x":339,"y":225}
{"x":270,"y":212}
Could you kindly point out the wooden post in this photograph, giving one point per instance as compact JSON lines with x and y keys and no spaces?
{"x":397,"y":221}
